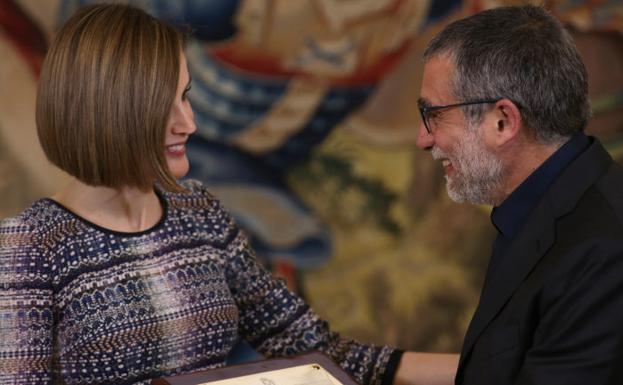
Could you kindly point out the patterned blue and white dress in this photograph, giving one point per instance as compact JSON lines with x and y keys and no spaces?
{"x":80,"y":304}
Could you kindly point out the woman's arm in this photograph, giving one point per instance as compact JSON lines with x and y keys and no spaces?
{"x":26,"y":316}
{"x":276,"y":322}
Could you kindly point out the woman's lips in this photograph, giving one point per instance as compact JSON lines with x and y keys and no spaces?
{"x":176,"y":149}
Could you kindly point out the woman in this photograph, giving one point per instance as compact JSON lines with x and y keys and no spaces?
{"x":126,"y":275}
{"x":113,"y":280}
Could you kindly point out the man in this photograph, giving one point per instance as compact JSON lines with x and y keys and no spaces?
{"x":504,"y":103}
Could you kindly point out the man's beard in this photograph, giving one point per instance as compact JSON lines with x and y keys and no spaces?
{"x":478,"y":173}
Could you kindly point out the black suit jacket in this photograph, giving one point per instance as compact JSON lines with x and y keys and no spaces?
{"x":552,"y":312}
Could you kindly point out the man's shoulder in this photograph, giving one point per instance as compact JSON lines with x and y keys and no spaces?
{"x":610,"y":189}
{"x":597,"y":215}
{"x":612,"y":180}
{"x":590,"y":189}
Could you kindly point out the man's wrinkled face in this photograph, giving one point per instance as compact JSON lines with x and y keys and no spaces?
{"x":473,"y":173}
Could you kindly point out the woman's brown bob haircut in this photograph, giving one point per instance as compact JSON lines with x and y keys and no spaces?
{"x":106,"y":88}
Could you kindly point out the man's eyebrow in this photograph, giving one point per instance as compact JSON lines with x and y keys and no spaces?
{"x":423,"y":102}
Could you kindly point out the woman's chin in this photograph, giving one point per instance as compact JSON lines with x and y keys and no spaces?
{"x":178,"y":167}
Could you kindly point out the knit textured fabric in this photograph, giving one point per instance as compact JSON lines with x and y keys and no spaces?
{"x":80,"y":304}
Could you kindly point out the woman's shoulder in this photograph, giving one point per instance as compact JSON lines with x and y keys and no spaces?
{"x":195,"y":195}
{"x":39,"y":212}
{"x":24,"y":226}
{"x":198,"y":203}
{"x":195,"y":187}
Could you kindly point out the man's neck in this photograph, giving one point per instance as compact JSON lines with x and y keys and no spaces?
{"x":124,"y":209}
{"x":521,"y":162}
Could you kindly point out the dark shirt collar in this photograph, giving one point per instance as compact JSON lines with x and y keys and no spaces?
{"x":509,"y":217}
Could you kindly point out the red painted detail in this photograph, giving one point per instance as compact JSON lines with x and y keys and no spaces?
{"x":23,"y":33}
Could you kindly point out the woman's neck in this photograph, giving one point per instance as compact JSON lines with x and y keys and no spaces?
{"x":123,"y":209}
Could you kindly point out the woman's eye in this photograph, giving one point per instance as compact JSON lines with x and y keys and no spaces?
{"x":185,"y":92}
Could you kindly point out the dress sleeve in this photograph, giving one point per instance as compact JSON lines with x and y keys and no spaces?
{"x":26,"y":316}
{"x":277,"y":322}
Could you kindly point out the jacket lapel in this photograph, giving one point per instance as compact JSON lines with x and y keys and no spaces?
{"x":514,"y":267}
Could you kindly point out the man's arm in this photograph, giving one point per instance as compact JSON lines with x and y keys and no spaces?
{"x":417,"y":368}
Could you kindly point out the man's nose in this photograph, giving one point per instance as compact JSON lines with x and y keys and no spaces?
{"x":425,"y":140}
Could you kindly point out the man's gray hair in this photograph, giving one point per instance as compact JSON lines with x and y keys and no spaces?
{"x":523,"y":54}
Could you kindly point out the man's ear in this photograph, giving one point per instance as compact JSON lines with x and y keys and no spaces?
{"x":504,"y":123}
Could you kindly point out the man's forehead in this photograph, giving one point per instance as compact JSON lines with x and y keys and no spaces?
{"x":436,"y":77}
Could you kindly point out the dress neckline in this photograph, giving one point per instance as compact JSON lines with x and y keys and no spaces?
{"x":156,"y":226}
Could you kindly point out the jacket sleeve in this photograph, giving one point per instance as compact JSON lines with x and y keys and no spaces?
{"x":26,"y":316}
{"x":277,"y":322}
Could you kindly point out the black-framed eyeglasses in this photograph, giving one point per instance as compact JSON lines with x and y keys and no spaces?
{"x":425,"y":110}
